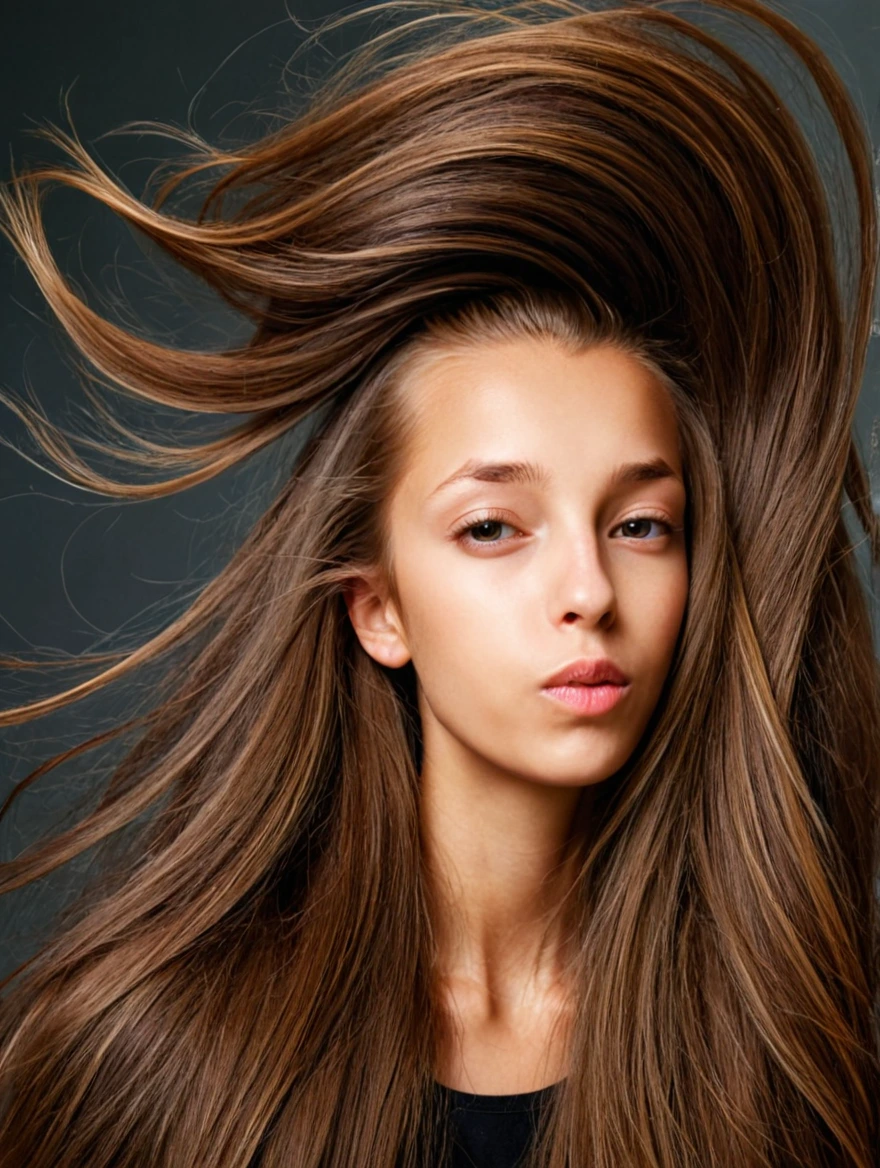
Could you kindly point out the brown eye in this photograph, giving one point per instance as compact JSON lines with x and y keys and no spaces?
{"x":483,"y":532}
{"x":640,"y":521}
{"x":487,"y":530}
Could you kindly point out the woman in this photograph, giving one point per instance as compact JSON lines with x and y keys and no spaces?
{"x":514,"y":791}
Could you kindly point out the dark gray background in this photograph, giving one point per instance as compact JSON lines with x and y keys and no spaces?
{"x":80,"y":572}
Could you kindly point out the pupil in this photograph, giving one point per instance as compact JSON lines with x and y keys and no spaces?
{"x":487,"y":523}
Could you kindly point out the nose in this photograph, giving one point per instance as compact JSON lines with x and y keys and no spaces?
{"x":579,"y":586}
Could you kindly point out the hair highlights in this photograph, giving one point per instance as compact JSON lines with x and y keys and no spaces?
{"x":253,"y":985}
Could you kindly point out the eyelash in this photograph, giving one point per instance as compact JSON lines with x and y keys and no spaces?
{"x":494,"y":517}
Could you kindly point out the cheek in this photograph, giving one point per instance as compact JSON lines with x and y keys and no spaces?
{"x":461,"y":634}
{"x":657,"y":612}
{"x":454,"y":617}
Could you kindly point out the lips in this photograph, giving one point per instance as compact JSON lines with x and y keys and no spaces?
{"x":587,"y":700}
{"x":588,"y":671}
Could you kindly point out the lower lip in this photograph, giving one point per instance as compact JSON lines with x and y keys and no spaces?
{"x":588,"y":699}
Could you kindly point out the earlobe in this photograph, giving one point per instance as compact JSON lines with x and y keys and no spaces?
{"x":376,"y":623}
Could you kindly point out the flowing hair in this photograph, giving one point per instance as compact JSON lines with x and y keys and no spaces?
{"x":249,"y":982}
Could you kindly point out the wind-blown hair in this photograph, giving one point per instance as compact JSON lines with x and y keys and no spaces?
{"x":253,"y":984}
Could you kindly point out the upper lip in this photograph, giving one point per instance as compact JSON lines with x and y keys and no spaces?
{"x":588,"y":671}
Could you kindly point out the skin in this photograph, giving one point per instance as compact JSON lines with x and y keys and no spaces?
{"x":487,"y":617}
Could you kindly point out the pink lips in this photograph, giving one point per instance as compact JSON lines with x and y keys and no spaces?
{"x":588,"y":699}
{"x":588,"y":671}
{"x":588,"y":686}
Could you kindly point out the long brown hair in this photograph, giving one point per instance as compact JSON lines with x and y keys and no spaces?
{"x":250,"y":980}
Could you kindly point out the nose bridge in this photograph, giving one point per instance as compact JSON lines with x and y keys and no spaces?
{"x":580,"y":577}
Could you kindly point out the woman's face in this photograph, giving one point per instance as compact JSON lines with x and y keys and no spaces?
{"x":520,"y":547}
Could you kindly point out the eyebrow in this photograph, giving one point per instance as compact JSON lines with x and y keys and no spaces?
{"x":531,"y":473}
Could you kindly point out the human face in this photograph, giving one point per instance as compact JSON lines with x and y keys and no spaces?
{"x":503,"y":581}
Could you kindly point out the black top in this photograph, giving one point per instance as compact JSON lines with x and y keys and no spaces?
{"x":492,"y":1131}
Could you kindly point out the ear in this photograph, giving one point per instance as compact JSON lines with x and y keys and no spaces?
{"x":376,"y":621}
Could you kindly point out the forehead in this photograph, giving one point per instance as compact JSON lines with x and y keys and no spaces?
{"x":578,"y":414}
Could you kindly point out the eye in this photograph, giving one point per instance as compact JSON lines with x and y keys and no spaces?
{"x":483,"y":530}
{"x":487,"y":529}
{"x":640,"y":521}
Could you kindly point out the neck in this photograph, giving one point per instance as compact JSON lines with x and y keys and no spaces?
{"x":501,"y":862}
